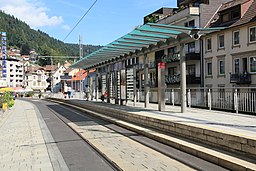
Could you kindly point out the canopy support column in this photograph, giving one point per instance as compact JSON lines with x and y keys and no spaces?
{"x":183,"y":79}
{"x":116,"y":88}
{"x":161,"y":86}
{"x":134,"y":86}
{"x":108,"y":84}
{"x":97,"y":85}
{"x":146,"y":84}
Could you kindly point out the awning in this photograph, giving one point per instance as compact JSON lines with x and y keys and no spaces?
{"x":140,"y":38}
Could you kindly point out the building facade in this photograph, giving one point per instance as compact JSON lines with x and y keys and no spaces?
{"x":15,"y":73}
{"x":230,"y":55}
{"x":35,"y":79}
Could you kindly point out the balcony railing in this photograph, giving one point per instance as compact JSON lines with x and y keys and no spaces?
{"x":175,"y":79}
{"x":241,"y":78}
{"x":192,"y":56}
{"x":171,"y":57}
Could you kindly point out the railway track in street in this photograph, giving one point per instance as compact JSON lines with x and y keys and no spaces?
{"x":126,"y":149}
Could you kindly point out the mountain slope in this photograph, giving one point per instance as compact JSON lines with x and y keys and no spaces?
{"x":21,"y":36}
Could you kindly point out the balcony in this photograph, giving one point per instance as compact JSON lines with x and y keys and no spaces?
{"x":193,"y":79}
{"x":191,"y":2}
{"x":175,"y":79}
{"x":181,"y":14}
{"x":192,"y":56}
{"x":172,"y":79}
{"x":241,"y":78}
{"x":171,"y":57}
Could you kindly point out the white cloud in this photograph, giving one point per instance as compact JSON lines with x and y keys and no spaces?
{"x":66,"y":27}
{"x":31,"y":11}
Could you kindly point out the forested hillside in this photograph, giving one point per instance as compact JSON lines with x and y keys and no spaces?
{"x":21,"y":36}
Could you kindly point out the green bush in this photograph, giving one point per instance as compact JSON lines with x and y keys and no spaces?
{"x":7,"y":97}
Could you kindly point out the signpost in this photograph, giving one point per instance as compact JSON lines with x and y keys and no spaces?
{"x":4,"y":56}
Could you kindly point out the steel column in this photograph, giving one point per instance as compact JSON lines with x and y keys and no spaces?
{"x":183,"y":79}
{"x":134,"y":86}
{"x":146,"y":84}
{"x":161,"y":86}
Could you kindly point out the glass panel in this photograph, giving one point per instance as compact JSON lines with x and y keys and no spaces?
{"x":172,"y":71}
{"x":221,"y":41}
{"x":236,"y":62}
{"x":222,"y":67}
{"x":191,"y":69}
{"x":252,"y":34}
{"x":253,"y":64}
{"x":209,"y":68}
{"x":209,"y":44}
{"x":236,"y":38}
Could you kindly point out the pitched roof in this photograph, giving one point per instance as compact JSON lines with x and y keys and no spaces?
{"x":84,"y":75}
{"x":249,"y":15}
{"x":51,"y":67}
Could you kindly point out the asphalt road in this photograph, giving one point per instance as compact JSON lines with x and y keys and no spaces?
{"x":78,"y":155}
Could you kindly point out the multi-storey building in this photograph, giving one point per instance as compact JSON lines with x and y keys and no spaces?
{"x":189,"y":14}
{"x":35,"y":78}
{"x":15,"y":73}
{"x":230,"y":55}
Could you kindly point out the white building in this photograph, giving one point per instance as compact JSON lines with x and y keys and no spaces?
{"x":35,"y":78}
{"x":15,"y":73}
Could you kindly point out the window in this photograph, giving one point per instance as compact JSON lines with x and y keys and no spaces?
{"x":190,"y":23}
{"x":235,"y":14}
{"x":191,"y":69}
{"x":208,"y":44}
{"x":172,"y":50}
{"x":236,"y":38}
{"x":236,"y":63}
{"x":252,"y":32}
{"x":252,"y":64}
{"x":34,"y":83}
{"x":209,"y":68}
{"x":225,"y":17}
{"x":221,"y":41}
{"x":44,"y":83}
{"x":221,"y":67}
{"x":190,"y":47}
{"x":172,"y":71}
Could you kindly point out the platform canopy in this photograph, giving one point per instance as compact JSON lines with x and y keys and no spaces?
{"x":141,"y":37}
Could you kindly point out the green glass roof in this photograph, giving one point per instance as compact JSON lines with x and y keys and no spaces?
{"x":141,"y":37}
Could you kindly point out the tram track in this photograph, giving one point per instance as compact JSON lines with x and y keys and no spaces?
{"x":102,"y":155}
{"x":187,"y":159}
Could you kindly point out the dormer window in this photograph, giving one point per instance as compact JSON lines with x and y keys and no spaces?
{"x":230,"y":14}
{"x":235,"y":14}
{"x":225,"y":17}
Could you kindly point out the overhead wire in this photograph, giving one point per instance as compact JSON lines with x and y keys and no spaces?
{"x":80,"y":20}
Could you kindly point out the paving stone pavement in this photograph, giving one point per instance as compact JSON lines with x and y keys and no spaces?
{"x":22,"y":142}
{"x":126,"y":153}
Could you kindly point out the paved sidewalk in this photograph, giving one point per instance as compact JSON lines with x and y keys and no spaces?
{"x":23,"y":146}
{"x":239,"y":124}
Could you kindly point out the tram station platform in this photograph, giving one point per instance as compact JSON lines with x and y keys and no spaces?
{"x":224,"y":138}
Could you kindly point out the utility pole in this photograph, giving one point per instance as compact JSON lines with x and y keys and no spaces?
{"x":80,"y":71}
{"x":52,"y":77}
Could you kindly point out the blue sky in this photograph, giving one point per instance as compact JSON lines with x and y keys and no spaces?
{"x":107,"y":20}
